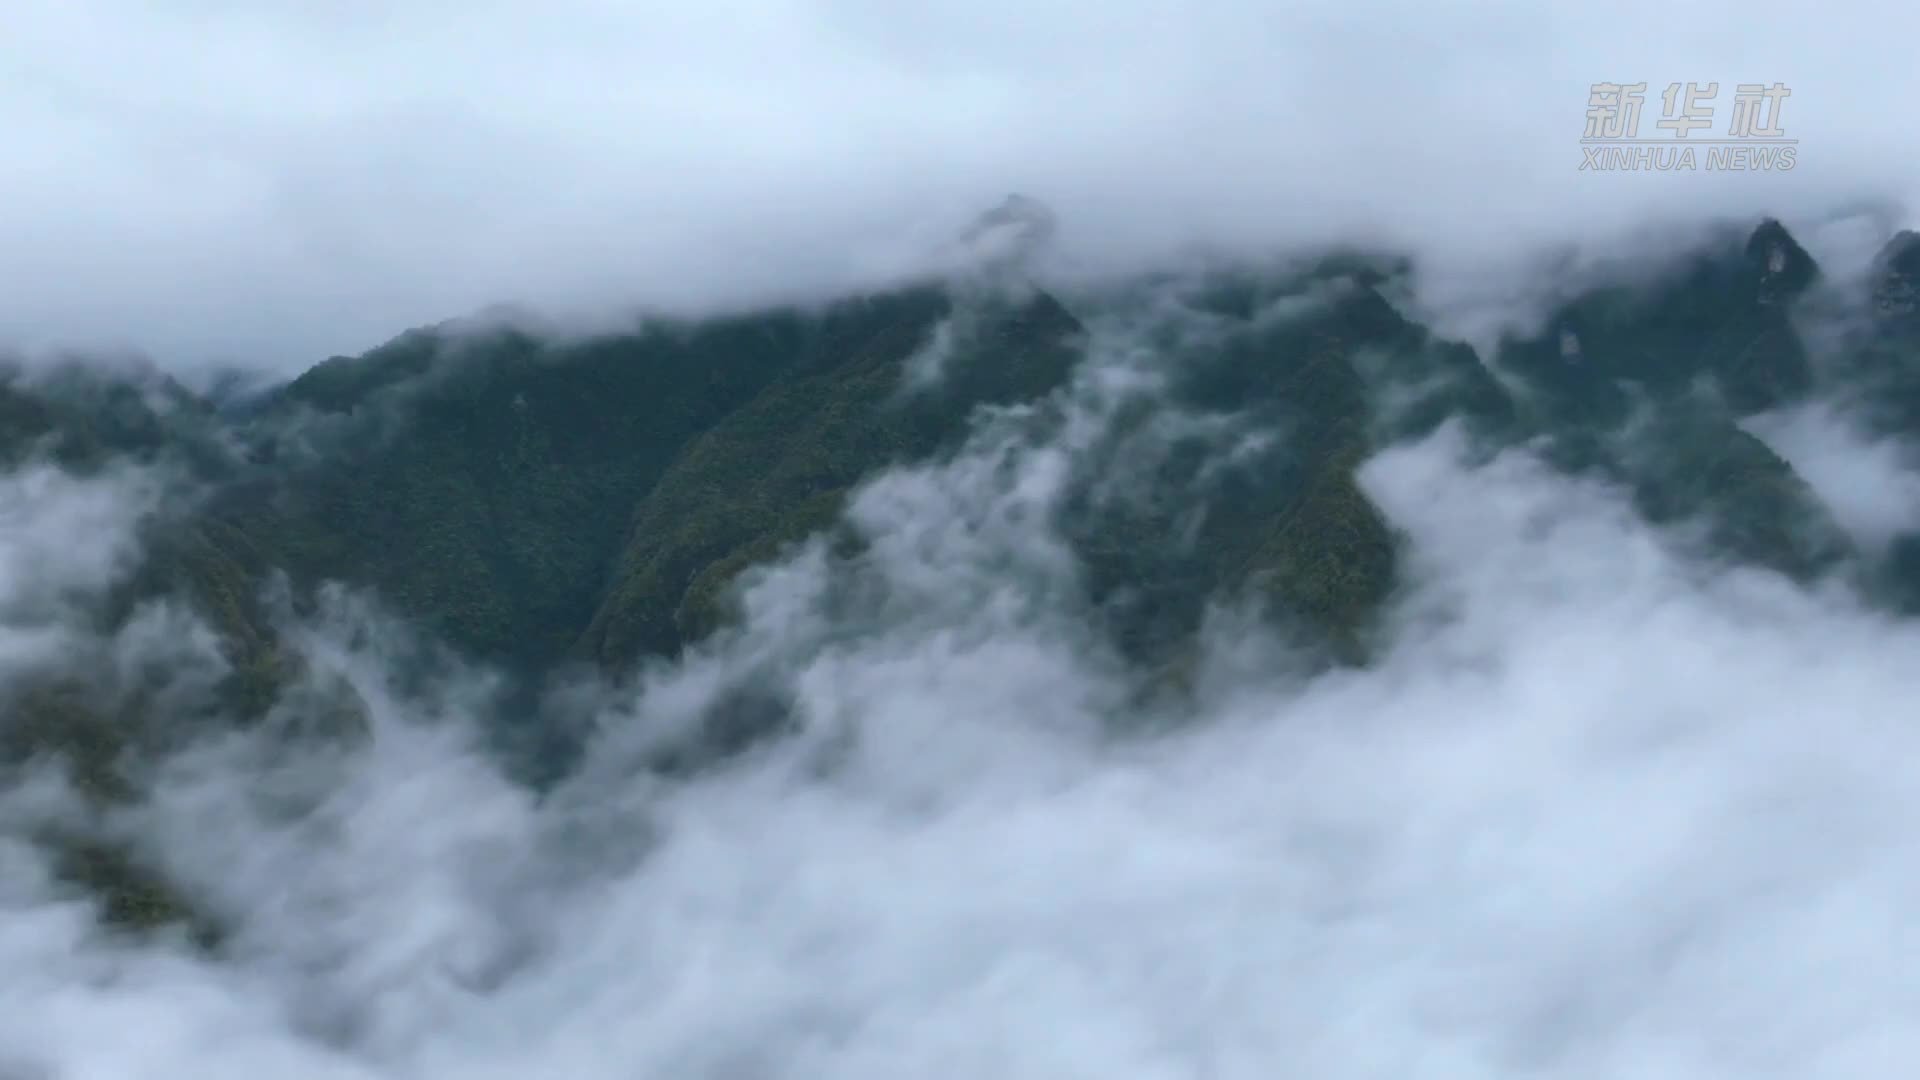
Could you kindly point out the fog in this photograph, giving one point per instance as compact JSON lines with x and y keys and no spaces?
{"x":218,"y":183}
{"x":1597,"y":810}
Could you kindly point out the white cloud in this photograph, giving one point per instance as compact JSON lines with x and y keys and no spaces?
{"x":268,"y":184}
{"x":1867,"y":482}
{"x":1600,"y":812}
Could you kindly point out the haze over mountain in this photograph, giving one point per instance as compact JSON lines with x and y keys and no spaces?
{"x":950,"y":543}
{"x":361,"y":712}
{"x":216,"y":184}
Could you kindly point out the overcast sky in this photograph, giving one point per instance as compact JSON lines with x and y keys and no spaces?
{"x":267,"y":184}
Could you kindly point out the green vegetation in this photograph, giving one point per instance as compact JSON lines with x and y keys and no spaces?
{"x":533,"y":501}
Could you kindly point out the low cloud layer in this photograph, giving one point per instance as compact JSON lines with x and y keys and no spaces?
{"x":1598,"y":811}
{"x":1868,"y":483}
{"x":225,"y":183}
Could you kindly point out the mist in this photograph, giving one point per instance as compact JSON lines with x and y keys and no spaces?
{"x":1597,"y":809}
{"x":231,"y":185}
{"x":1596,"y":804}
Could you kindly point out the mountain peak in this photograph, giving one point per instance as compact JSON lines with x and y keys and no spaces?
{"x":1896,"y":277}
{"x":1011,"y":231}
{"x":1785,"y":267}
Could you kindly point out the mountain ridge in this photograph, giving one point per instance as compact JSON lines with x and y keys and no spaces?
{"x":523,"y":430}
{"x":546,"y":505}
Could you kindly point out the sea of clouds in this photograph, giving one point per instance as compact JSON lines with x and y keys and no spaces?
{"x":1597,"y":810}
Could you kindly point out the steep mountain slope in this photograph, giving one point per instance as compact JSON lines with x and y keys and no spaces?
{"x":532,"y":499}
{"x":535,"y":502}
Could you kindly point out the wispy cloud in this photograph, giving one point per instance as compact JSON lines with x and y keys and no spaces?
{"x":1597,"y":810}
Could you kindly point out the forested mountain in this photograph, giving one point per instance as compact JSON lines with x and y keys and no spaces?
{"x":545,"y":504}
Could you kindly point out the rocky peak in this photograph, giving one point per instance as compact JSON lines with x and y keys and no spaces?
{"x":1783,"y":267}
{"x":1895,"y":279}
